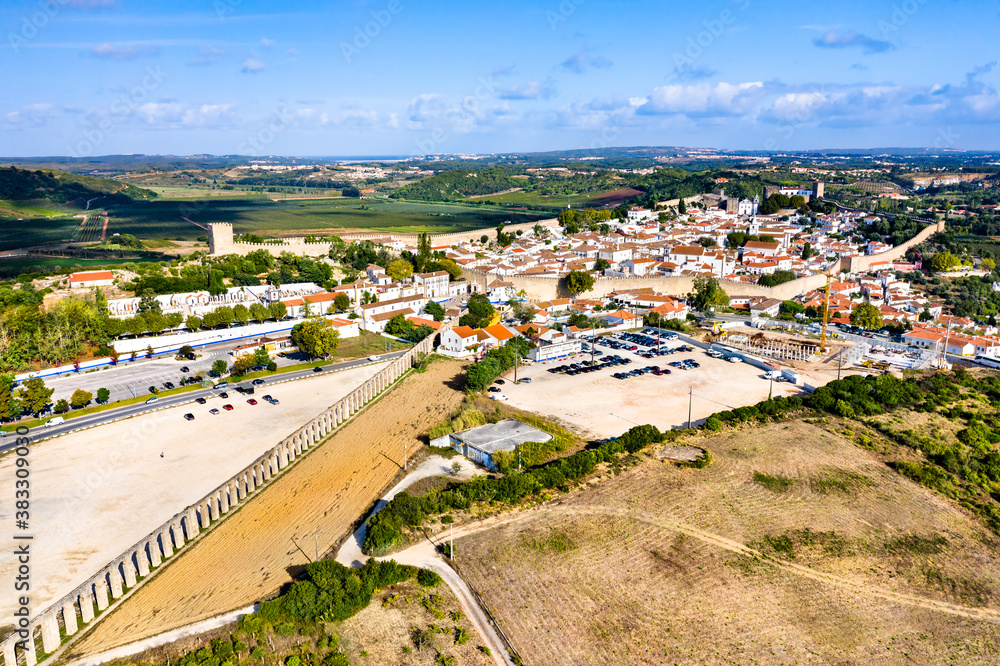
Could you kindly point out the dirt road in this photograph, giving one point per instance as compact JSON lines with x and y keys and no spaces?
{"x":251,"y":554}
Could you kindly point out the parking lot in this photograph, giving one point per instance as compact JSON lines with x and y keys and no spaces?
{"x":596,"y":403}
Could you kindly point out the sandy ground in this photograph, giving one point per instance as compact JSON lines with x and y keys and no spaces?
{"x":251,"y":554}
{"x":598,"y":405}
{"x":98,"y":491}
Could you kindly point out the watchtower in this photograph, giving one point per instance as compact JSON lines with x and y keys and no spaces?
{"x":220,"y":238}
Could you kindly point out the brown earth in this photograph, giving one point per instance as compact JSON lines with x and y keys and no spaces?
{"x":846,"y":563}
{"x":256,"y":551}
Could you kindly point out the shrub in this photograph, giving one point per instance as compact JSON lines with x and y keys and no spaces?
{"x":712,"y":423}
{"x":428,"y":578}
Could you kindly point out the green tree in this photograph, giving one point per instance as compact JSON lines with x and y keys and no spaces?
{"x":989,"y":264}
{"x":35,"y":396}
{"x":480,"y":312}
{"x":399,"y":326}
{"x":791,"y":307}
{"x":807,"y":250}
{"x":241,"y":314}
{"x":243,"y":363}
{"x":261,"y":357}
{"x":925,"y":315}
{"x":6,"y":395}
{"x":258,"y":312}
{"x":80,"y":398}
{"x":399,"y":270}
{"x":186,"y":351}
{"x":341,"y":302}
{"x":193,"y":323}
{"x":277,"y":310}
{"x":708,"y":293}
{"x":61,"y":406}
{"x":209,"y":320}
{"x":435,"y":310}
{"x":316,"y":337}
{"x":682,"y":207}
{"x":103,"y":395}
{"x":219,"y":367}
{"x":224,"y":315}
{"x":215,"y":283}
{"x":866,"y":316}
{"x":944,"y":261}
{"x":578,"y":282}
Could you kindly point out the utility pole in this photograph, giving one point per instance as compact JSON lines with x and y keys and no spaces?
{"x":690,"y":400}
{"x":404,"y":456}
{"x":451,"y":537}
{"x":133,"y":386}
{"x":316,"y":538}
{"x":593,"y":342}
{"x":840,"y":364}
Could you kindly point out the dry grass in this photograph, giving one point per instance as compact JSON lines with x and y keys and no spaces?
{"x":851,"y":563}
{"x":251,"y":554}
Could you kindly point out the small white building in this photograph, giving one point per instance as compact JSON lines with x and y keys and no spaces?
{"x":91,"y":279}
{"x":553,"y":350}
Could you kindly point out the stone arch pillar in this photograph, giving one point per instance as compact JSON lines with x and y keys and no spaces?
{"x":9,"y":653}
{"x":234,"y":493}
{"x":141,"y":561}
{"x":282,"y":457}
{"x":213,"y":506}
{"x":86,"y":604}
{"x":30,"y":656}
{"x":69,"y":617}
{"x":191,"y":523}
{"x":50,"y":632}
{"x":128,"y":569}
{"x":154,"y":551}
{"x":175,"y":527}
{"x":266,"y":469}
{"x":165,"y":541}
{"x":115,"y":580}
{"x":251,"y":479}
{"x":204,"y":518}
{"x":101,"y":592}
{"x":290,"y":447}
{"x":224,"y":499}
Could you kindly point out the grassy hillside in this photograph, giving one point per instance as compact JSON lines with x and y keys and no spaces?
{"x":60,"y":187}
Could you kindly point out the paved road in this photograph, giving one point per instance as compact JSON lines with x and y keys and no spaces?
{"x":90,"y":420}
{"x":143,"y":373}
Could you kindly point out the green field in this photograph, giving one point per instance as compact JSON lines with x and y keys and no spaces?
{"x":37,"y":231}
{"x":11,"y":268}
{"x":164,"y":219}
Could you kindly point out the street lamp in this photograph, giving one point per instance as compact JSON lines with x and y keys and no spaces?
{"x":316,"y":538}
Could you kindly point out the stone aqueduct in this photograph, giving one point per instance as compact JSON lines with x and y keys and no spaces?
{"x":64,"y":618}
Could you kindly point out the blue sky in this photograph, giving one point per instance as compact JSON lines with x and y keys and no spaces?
{"x":379,"y":77}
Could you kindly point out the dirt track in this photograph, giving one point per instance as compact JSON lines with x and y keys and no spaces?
{"x":250,"y":555}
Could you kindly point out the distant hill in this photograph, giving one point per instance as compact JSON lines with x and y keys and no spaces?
{"x":37,"y":185}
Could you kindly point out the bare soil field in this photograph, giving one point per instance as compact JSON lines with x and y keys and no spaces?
{"x":251,"y":554}
{"x":98,"y":491}
{"x":793,"y":546}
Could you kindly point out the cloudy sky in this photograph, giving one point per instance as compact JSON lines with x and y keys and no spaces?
{"x":400,"y":77}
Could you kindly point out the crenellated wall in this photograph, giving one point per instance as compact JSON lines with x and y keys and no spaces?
{"x":84,"y":605}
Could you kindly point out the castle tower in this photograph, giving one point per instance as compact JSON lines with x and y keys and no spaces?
{"x":818,"y":190}
{"x":220,"y":238}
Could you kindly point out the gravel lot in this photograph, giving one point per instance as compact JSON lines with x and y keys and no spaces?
{"x":98,"y":491}
{"x":598,"y":405}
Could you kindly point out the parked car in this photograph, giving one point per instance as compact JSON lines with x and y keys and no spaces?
{"x":228,"y":407}
{"x":153,"y":389}
{"x":201,"y":401}
{"x":525,"y":380}
{"x":185,"y":369}
{"x":189,"y":416}
{"x":498,"y":396}
{"x":168,"y":385}
{"x":213,"y":411}
{"x":251,"y":401}
{"x":494,"y":389}
{"x":734,"y":359}
{"x":500,"y":381}
{"x":224,"y":394}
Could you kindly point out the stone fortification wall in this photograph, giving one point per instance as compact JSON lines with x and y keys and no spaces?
{"x":84,"y":605}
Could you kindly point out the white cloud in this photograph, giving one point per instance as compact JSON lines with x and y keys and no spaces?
{"x":253,"y":65}
{"x":120,"y":51}
{"x":266,"y":42}
{"x":703,"y":99}
{"x":530,"y":90}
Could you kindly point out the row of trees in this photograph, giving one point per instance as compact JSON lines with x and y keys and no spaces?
{"x":34,"y":397}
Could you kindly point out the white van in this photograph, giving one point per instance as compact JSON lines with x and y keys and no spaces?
{"x":56,"y":421}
